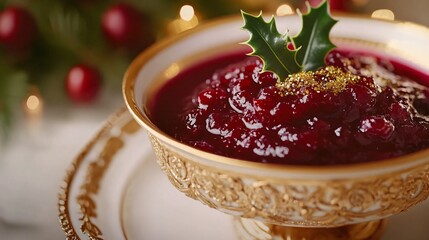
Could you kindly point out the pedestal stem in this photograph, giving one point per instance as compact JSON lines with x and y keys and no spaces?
{"x":249,"y":229}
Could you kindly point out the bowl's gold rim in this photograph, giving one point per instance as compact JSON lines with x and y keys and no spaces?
{"x":128,"y":94}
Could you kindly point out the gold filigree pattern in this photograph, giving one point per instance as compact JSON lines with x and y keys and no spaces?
{"x":326,"y":203}
{"x":91,"y":186}
{"x":63,"y":201}
{"x":93,"y":177}
{"x":95,"y":173}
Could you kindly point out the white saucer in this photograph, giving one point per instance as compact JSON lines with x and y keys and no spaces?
{"x":115,"y":190}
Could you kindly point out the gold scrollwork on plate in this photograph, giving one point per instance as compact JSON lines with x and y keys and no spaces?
{"x":327,"y":203}
{"x":91,"y":186}
{"x":94,"y":174}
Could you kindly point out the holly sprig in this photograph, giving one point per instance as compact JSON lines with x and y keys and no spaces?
{"x":284,"y":54}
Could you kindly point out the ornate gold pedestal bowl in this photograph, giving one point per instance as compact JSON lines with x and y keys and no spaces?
{"x":279,"y":201}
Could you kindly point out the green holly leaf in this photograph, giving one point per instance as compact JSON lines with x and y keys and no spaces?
{"x":267,"y":43}
{"x":313,"y":40}
{"x":310,"y":45}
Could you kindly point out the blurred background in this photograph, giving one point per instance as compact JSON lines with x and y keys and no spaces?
{"x":61,"y":68}
{"x":64,"y":54}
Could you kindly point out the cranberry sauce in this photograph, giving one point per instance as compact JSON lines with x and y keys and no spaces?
{"x":354,"y":110}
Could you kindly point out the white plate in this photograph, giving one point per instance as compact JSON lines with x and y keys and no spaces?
{"x":115,"y":190}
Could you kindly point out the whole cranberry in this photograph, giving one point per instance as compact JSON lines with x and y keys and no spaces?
{"x":18,"y":29}
{"x":376,"y":128}
{"x":83,"y":83}
{"x":363,"y":97}
{"x":126,"y":27}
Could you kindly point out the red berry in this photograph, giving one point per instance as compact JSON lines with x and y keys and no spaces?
{"x":334,"y":5}
{"x":242,"y":84}
{"x":195,"y":121}
{"x":126,"y":27}
{"x":322,"y":103}
{"x":241,"y":100}
{"x":266,"y":79}
{"x":400,"y":112}
{"x":263,"y":105}
{"x":83,"y":83}
{"x":343,"y":136}
{"x":376,"y":128}
{"x":363,"y":97}
{"x":211,"y":98}
{"x":223,"y":124}
{"x":283,"y":112}
{"x":270,"y":93}
{"x":421,"y":103}
{"x":17,"y":28}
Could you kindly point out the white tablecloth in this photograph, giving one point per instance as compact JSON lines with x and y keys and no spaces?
{"x":33,"y":161}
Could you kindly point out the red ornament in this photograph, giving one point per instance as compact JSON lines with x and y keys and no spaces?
{"x":126,"y":27}
{"x":18,"y":29}
{"x":83,"y":83}
{"x":334,"y":5}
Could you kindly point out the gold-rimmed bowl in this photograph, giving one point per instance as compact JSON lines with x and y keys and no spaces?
{"x":282,"y":195}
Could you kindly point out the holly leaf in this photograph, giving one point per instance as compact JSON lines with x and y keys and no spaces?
{"x":313,"y":39}
{"x":267,"y":43}
{"x":310,"y":45}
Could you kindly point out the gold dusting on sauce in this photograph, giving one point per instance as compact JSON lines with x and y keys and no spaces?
{"x":327,"y":79}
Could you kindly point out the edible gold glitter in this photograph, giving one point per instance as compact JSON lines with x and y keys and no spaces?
{"x":327,"y":79}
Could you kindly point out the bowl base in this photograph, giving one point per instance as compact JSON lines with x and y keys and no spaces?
{"x":249,"y":229}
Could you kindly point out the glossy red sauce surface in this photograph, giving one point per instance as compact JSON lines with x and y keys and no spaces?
{"x":228,"y":107}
